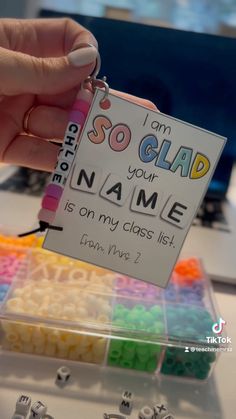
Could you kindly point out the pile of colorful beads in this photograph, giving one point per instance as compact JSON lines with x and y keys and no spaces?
{"x":10,"y":263}
{"x":130,"y":287}
{"x":40,"y":340}
{"x":134,"y":355}
{"x":187,"y":364}
{"x":77,"y":311}
{"x":136,"y":318}
{"x":29,"y":241}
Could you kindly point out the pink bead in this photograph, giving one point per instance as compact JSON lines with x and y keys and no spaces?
{"x":85,"y":94}
{"x":54,"y":190}
{"x":77,"y":116}
{"x":50,"y":203}
{"x":82,"y":106}
{"x":46,"y":215}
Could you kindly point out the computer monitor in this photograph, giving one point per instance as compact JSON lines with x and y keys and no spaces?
{"x":188,"y":75}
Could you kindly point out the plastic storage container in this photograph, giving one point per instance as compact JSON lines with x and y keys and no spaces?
{"x":65,"y":308}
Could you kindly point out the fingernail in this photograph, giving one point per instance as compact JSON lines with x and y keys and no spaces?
{"x":82,"y":56}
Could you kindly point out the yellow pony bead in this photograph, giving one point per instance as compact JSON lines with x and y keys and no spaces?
{"x":53,"y":336}
{"x":87,"y":357}
{"x":99,"y":346}
{"x":62,"y":349}
{"x":98,"y":359}
{"x":70,"y":338}
{"x":8,"y":327}
{"x":15,"y":305}
{"x":28,"y":348}
{"x":69,"y":311}
{"x":25,"y":337}
{"x":82,"y":350}
{"x":39,"y":242}
{"x":103,"y":318}
{"x":39,"y":348}
{"x":16,"y":346}
{"x":38,"y":337}
{"x":18,"y":292}
{"x":54,"y":310}
{"x":12,"y":337}
{"x":73,"y":354}
{"x":50,"y":349}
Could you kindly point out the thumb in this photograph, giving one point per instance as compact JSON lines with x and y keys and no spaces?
{"x":22,"y":73}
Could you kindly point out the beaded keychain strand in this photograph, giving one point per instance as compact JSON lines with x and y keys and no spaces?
{"x":77,"y":118}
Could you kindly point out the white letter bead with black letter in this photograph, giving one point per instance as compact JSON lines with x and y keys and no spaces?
{"x":160,"y":411}
{"x":126,"y":407}
{"x":63,"y":375}
{"x":146,"y":413}
{"x":38,"y":410}
{"x":128,"y":395}
{"x":23,"y":404}
{"x":126,"y":404}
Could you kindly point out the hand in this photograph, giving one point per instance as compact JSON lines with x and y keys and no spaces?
{"x":42,"y":64}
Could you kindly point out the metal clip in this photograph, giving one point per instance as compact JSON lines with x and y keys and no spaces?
{"x":92,"y":79}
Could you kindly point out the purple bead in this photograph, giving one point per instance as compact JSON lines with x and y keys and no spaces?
{"x":54,"y":190}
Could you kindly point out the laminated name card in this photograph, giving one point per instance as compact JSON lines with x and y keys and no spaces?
{"x":134,"y":186}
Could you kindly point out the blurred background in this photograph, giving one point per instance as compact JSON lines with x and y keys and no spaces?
{"x":208,"y":16}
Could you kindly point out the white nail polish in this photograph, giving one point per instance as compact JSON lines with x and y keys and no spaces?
{"x":82,"y":56}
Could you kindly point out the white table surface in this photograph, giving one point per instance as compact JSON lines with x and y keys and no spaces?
{"x":94,"y":390}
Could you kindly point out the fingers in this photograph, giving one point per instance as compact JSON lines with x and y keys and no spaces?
{"x":31,"y":152}
{"x":48,"y":122}
{"x":139,"y":101}
{"x":48,"y":37}
{"x":22,"y":73}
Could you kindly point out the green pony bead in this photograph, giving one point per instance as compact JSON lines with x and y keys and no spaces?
{"x":156,"y":311}
{"x":147,"y":318}
{"x":171,"y":351}
{"x":140,"y":308}
{"x":120,"y":323}
{"x":129,"y":356}
{"x":130,"y":346}
{"x":118,"y":309}
{"x":170,"y":362}
{"x":130,"y":326}
{"x":126,"y":363}
{"x":189,"y":366}
{"x":142,"y":348}
{"x":201,"y":370}
{"x":115,"y":353}
{"x":116,"y":344}
{"x":140,"y":366}
{"x":133,"y":316}
{"x":190,"y":332}
{"x":151,"y":365}
{"x":201,"y":375}
{"x":113,"y":361}
{"x":154,"y":349}
{"x":179,"y":369}
{"x":209,"y":356}
{"x":143,"y":357}
{"x":165,"y":369}
{"x":157,"y":328}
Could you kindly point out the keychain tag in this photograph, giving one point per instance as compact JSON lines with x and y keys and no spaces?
{"x":136,"y":182}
